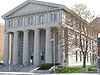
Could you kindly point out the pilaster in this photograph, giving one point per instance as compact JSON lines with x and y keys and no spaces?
{"x":6,"y":49}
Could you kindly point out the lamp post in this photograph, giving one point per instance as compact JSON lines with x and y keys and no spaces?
{"x":98,"y":56}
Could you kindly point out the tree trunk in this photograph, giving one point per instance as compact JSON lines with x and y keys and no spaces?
{"x":84,"y":60}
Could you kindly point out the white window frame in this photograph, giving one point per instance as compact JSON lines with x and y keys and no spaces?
{"x":9,"y":23}
{"x":41,"y":19}
{"x":32,"y":19}
{"x":21,"y":21}
{"x":18,"y":22}
{"x":53,"y":17}
{"x":29,"y":20}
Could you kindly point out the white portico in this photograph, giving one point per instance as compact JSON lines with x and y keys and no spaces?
{"x":28,"y":28}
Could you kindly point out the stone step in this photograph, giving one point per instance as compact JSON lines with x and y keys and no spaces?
{"x":42,"y":71}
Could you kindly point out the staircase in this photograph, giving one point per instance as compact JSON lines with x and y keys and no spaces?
{"x":17,"y":68}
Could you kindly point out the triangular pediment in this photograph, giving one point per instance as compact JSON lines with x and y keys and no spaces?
{"x":31,"y":6}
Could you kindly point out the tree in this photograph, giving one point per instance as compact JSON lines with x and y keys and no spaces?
{"x":75,"y":21}
{"x":85,"y":14}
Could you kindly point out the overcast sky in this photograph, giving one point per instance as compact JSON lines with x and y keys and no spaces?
{"x":7,"y":5}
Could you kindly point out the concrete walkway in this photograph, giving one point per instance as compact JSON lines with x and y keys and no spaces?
{"x":26,"y":73}
{"x":6,"y":70}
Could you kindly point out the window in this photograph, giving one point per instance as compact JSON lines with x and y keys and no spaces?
{"x":76,"y":39}
{"x":9,"y":23}
{"x":54,"y":17}
{"x":80,"y":56}
{"x":90,"y":56}
{"x":29,"y":20}
{"x":22,"y":21}
{"x":98,"y":21}
{"x":41,"y":19}
{"x":76,"y":56}
{"x":51,"y":17}
{"x":87,"y":57}
{"x":18,"y":22}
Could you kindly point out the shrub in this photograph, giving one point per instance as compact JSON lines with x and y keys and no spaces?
{"x":1,"y":64}
{"x":46,"y":66}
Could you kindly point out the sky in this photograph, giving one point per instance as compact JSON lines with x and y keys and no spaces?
{"x":93,"y":5}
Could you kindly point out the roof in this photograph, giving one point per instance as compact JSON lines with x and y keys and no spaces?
{"x":96,"y":24}
{"x":35,"y":2}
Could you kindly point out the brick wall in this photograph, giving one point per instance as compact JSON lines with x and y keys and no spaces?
{"x":1,"y":39}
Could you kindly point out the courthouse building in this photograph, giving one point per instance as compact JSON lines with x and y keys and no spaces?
{"x":28,"y":35}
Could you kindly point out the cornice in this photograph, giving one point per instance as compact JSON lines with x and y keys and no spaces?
{"x":34,"y":12}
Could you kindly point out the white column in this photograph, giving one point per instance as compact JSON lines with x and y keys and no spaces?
{"x":59,"y":54}
{"x":26,"y":48}
{"x":6,"y":49}
{"x":48,"y":55}
{"x":36,"y":47}
{"x":15,"y":49}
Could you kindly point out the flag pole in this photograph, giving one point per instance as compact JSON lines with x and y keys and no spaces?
{"x":54,"y":53}
{"x":53,"y":42}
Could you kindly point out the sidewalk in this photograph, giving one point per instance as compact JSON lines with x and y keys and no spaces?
{"x":26,"y":73}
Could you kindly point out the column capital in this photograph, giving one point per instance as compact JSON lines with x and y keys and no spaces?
{"x":48,"y":28}
{"x":6,"y":32}
{"x":36,"y":29}
{"x":15,"y":32}
{"x":26,"y":31}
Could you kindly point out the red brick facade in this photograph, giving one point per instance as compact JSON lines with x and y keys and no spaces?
{"x":96,"y":24}
{"x":1,"y":39}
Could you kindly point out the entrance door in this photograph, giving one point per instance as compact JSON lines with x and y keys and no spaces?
{"x":42,"y":46}
{"x":42,"y":57}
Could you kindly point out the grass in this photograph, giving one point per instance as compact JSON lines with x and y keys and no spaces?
{"x":1,"y":58}
{"x":74,"y":69}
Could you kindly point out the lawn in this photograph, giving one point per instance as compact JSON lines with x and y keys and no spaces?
{"x":75,"y":69}
{"x":1,"y":58}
